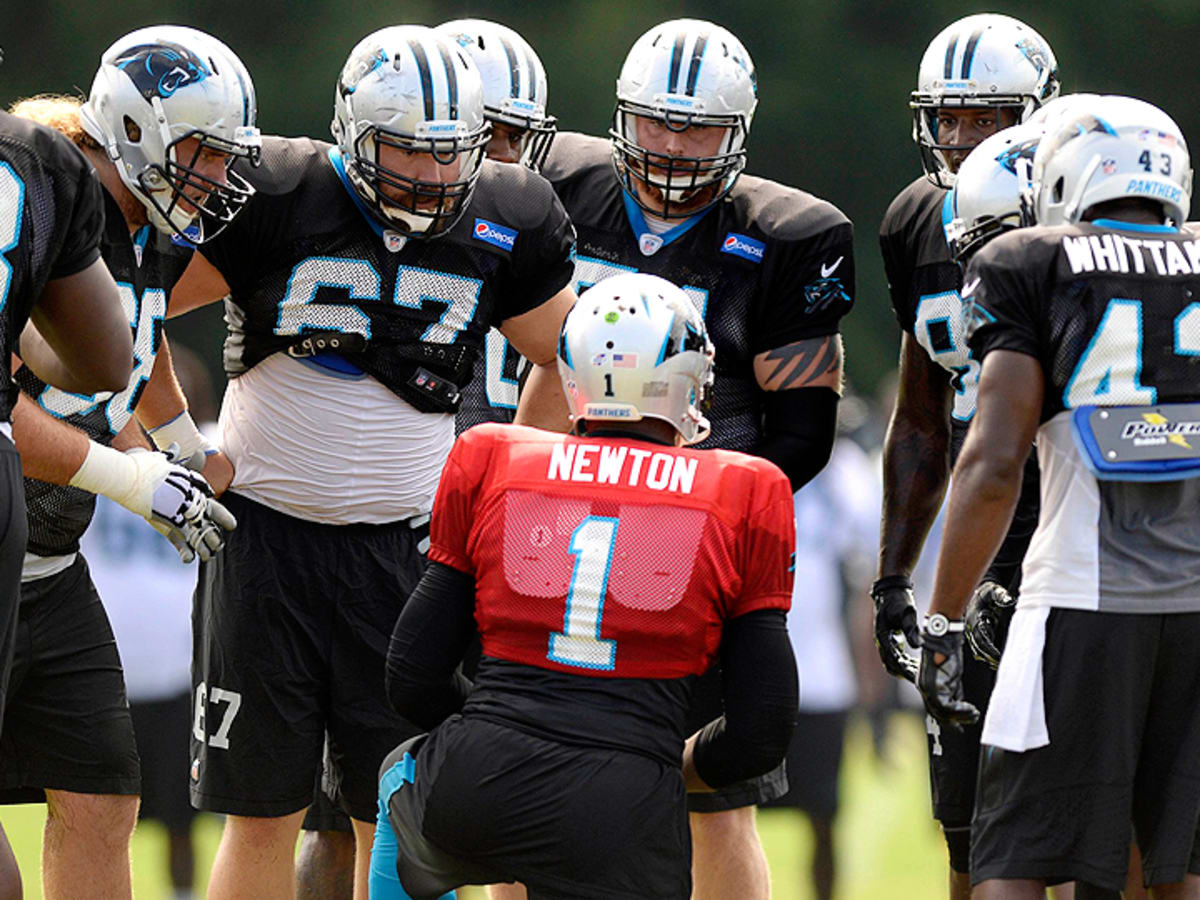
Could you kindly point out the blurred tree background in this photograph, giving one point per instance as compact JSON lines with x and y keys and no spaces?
{"x":834,"y":78}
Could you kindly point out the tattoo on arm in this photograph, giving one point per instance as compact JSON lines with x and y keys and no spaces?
{"x":813,"y":362}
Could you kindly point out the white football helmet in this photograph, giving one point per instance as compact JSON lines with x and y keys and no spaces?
{"x":985,"y":60}
{"x":155,"y":88}
{"x":409,"y":87}
{"x":994,"y":189}
{"x":634,"y":347}
{"x":514,"y":82}
{"x":1109,"y":149}
{"x":681,"y":73}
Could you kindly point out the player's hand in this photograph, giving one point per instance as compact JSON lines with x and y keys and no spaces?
{"x":181,"y":506}
{"x":989,"y":612}
{"x":940,"y":676}
{"x":213,"y":464}
{"x":895,"y":620}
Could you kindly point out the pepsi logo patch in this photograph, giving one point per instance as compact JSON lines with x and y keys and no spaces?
{"x":496,"y":235}
{"x":743,"y":246}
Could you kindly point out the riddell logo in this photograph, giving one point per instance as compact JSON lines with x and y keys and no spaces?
{"x":496,"y":235}
{"x":745,"y":247}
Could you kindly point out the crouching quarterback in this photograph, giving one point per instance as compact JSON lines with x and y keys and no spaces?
{"x":605,"y":571}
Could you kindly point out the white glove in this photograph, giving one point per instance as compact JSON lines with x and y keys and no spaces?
{"x":183,"y":442}
{"x":175,"y":500}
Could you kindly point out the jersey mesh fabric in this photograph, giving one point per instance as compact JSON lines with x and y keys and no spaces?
{"x":50,"y":221}
{"x":621,"y":561}
{"x":303,"y":257}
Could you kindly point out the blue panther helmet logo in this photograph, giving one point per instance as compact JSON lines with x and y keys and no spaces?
{"x":159,"y":70}
{"x":1024,"y":150}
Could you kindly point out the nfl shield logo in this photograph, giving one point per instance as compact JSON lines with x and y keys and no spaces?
{"x":649,"y":244}
{"x":394,"y":241}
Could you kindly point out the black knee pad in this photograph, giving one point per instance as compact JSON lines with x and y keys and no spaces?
{"x":958,"y":842}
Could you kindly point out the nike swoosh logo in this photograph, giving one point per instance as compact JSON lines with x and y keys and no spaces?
{"x":827,"y":271}
{"x":969,"y":289}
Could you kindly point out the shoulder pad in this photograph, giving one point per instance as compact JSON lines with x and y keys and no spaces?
{"x":921,"y":196}
{"x":285,"y":163}
{"x":573,"y":154}
{"x":783,"y":213}
{"x":514,"y":194}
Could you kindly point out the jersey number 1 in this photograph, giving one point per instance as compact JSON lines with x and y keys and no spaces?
{"x":579,"y":643}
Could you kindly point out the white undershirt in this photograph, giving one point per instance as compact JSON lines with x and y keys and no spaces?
{"x":658,"y":226}
{"x":329,"y":448}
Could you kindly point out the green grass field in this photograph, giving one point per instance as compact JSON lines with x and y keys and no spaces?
{"x":887,"y":844}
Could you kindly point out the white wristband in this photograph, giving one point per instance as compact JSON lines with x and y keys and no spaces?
{"x":111,"y":473}
{"x":181,"y":430}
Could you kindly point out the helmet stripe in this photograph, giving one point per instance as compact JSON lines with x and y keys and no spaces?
{"x":950,"y":48}
{"x":418,"y":52}
{"x":451,"y":79}
{"x":694,"y":68}
{"x":969,"y":53}
{"x":676,"y":60}
{"x":514,"y":67}
{"x":531,"y":71}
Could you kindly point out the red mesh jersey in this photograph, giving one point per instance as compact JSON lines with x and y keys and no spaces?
{"x":607,"y":556}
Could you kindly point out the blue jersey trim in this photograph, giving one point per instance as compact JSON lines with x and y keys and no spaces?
{"x":637,"y":221}
{"x":339,"y":166}
{"x":1134,"y":226}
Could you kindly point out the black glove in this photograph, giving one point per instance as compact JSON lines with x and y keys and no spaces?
{"x":940,"y":684}
{"x":896,"y":615}
{"x":989,"y":612}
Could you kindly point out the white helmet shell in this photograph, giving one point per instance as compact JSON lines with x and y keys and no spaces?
{"x":1109,"y":149}
{"x":514,"y":81}
{"x":684,"y":72}
{"x":993,"y":191}
{"x":411,"y":87}
{"x":156,"y":87}
{"x":979,"y":61}
{"x":634,"y":347}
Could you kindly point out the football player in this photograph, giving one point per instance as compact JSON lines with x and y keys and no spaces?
{"x":560,"y":768}
{"x":980,"y":74}
{"x":169,"y":110}
{"x":770,"y":268}
{"x":51,"y":217}
{"x":1088,"y":331}
{"x":514,"y":101}
{"x":351,"y":332}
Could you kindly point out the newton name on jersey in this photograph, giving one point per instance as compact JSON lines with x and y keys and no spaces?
{"x":630,"y":466}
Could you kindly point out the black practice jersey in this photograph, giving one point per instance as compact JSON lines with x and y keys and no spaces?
{"x":51,"y":216}
{"x":1112,"y":312}
{"x":146,"y":266}
{"x":924,"y":285}
{"x":305,"y":258}
{"x":491,"y":395}
{"x":767,"y":265}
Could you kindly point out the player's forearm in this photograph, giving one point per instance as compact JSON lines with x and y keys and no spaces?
{"x":982,"y":501}
{"x":916,"y":468}
{"x":543,"y":403}
{"x":162,"y":398}
{"x":51,"y":450}
{"x":799,"y":428}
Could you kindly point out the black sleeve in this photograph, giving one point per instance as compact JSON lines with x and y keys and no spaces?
{"x":543,"y":257}
{"x":81,"y":246}
{"x":808,"y":287}
{"x":799,"y":427}
{"x":761,"y":693}
{"x":430,"y":638}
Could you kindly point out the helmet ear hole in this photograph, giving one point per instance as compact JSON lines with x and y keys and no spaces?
{"x":1056,"y":194}
{"x":132,"y":131}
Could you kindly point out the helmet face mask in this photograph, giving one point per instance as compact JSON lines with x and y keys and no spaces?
{"x":408,"y":89}
{"x":174,"y":108}
{"x":633,"y":348}
{"x":985,"y":61}
{"x":514,"y":83}
{"x":1111,"y":148}
{"x":682,"y":75}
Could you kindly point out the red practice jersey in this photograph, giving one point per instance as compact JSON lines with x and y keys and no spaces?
{"x":611,"y":556}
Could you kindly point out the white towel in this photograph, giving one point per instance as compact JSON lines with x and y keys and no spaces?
{"x":1016,"y":716}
